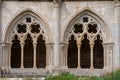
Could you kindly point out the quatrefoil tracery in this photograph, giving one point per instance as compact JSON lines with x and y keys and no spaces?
{"x":85,"y":26}
{"x":28,"y":25}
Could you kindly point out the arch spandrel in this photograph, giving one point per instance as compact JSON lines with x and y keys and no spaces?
{"x":105,"y":31}
{"x":21,"y":14}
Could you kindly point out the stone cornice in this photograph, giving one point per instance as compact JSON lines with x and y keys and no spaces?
{"x":117,"y":5}
{"x":59,"y":0}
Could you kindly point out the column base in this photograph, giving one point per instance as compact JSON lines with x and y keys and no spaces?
{"x":91,"y":67}
{"x":105,"y":67}
{"x":64,"y":67}
{"x":49,"y":67}
{"x":57,"y":67}
{"x":9,"y":67}
{"x":22,"y":67}
{"x":79,"y":67}
{"x":34,"y":67}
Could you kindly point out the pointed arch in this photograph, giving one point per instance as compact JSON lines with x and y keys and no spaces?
{"x":22,"y":13}
{"x":90,"y":24}
{"x":106,"y":33}
{"x":98,"y":53}
{"x":28,"y":25}
{"x":15,"y":53}
{"x":28,"y":52}
{"x":72,"y":53}
{"x":85,"y":53}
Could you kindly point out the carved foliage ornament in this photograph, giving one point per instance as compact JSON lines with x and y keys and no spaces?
{"x":28,"y":25}
{"x":85,"y":25}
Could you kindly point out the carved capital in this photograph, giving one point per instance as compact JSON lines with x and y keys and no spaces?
{"x":34,"y":38}
{"x":57,"y":3}
{"x":22,"y":38}
{"x":50,"y":44}
{"x":22,"y":45}
{"x":116,"y":1}
{"x":91,"y":45}
{"x":79,"y":43}
{"x":9,"y":44}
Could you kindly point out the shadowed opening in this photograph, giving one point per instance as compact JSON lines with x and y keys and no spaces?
{"x":41,"y":52}
{"x":28,"y":52}
{"x":85,"y":53}
{"x":98,"y":55}
{"x":72,"y":53}
{"x":15,"y":53}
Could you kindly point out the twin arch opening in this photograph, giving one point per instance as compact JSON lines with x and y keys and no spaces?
{"x":28,"y":53}
{"x":85,"y":54}
{"x":28,"y":47}
{"x":85,"y":48}
{"x":35,"y":30}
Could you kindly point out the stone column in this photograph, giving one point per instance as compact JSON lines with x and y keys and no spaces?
{"x":116,"y":33}
{"x":105,"y":58}
{"x":0,"y":22}
{"x":66,"y":55}
{"x":78,"y":46}
{"x":109,"y":52}
{"x":9,"y":55}
{"x":34,"y":61}
{"x":64,"y":48}
{"x":22,"y":55}
{"x":3,"y":67}
{"x":0,"y":41}
{"x":62,"y":55}
{"x":91,"y":55}
{"x":56,"y":32}
{"x":1,"y":60}
{"x":3,"y":56}
{"x":49,"y":55}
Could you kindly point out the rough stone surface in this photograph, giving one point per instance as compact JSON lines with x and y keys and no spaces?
{"x":106,"y":10}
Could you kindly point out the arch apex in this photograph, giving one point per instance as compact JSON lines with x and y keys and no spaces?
{"x":87,"y":11}
{"x":21,"y":14}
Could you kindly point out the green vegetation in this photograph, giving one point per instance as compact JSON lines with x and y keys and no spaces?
{"x":68,"y":76}
{"x":63,"y":76}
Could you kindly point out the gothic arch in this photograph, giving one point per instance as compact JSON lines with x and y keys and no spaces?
{"x":90,"y":24}
{"x":20,"y":14}
{"x":106,"y":33}
{"x":29,"y":26}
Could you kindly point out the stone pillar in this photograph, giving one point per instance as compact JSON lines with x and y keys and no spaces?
{"x":34,"y":58}
{"x":56,"y":32}
{"x":4,"y":62}
{"x":9,"y":55}
{"x":0,"y":41}
{"x":64,"y":48}
{"x":116,"y":33}
{"x":105,"y":56}
{"x":91,"y":55}
{"x":49,"y":55}
{"x":0,"y":22}
{"x":22,"y":55}
{"x":3,"y":56}
{"x":108,"y":55}
{"x":78,"y":46}
{"x":62,"y":55}
{"x":0,"y":55}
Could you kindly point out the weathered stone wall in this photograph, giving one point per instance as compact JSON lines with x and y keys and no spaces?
{"x":104,"y":9}
{"x":11,"y":9}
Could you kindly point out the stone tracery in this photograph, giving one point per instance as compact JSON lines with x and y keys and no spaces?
{"x":86,"y":27}
{"x":28,"y":29}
